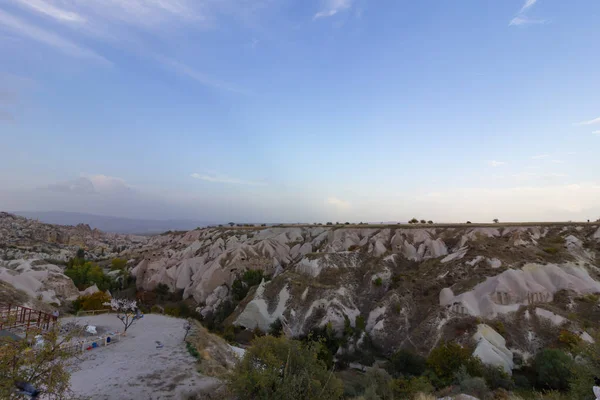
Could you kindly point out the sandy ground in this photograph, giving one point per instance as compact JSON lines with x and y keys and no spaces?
{"x":134,"y":368}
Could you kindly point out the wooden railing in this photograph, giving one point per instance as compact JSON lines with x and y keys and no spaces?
{"x":18,"y":319}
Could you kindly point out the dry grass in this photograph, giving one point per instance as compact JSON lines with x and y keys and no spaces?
{"x":216,"y":357}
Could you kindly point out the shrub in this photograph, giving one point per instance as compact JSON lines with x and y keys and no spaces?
{"x":447,"y":358}
{"x":172,"y":311}
{"x":413,"y":221}
{"x":360,"y":323}
{"x":157,"y":310}
{"x":276,"y":328}
{"x":553,"y":369}
{"x":497,"y":378}
{"x":192,"y":350}
{"x":278,"y":368}
{"x":474,"y":387}
{"x":569,"y":340}
{"x":551,"y":250}
{"x":85,"y":274}
{"x":404,"y":362}
{"x":379,"y":385}
{"x":241,"y":286}
{"x":378,"y":281}
{"x":408,"y":388}
{"x":430,"y":222}
{"x":91,"y":302}
{"x":118,"y":263}
{"x":423,"y":221}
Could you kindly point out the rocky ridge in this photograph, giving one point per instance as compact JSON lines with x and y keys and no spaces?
{"x":413,"y":286}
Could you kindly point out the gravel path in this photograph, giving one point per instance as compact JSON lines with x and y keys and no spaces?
{"x":134,"y":368}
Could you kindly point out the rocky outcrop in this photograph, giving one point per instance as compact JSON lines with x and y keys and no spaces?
{"x":39,"y":280}
{"x":491,"y":348}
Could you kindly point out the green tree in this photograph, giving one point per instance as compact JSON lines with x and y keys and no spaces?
{"x":413,"y":221}
{"x":278,"y":368}
{"x":553,"y":369}
{"x":46,"y":366}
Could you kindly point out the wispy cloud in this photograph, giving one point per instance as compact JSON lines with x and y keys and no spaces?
{"x":558,"y":161}
{"x":183,"y":69}
{"x":494,"y":163}
{"x":528,"y":4}
{"x":596,"y":132}
{"x":332,"y":7}
{"x":50,"y":10}
{"x":225,"y":179}
{"x":48,"y":38}
{"x":128,"y":25}
{"x":590,"y":122}
{"x":341,"y":204}
{"x":522,"y":19}
{"x":540,"y":156}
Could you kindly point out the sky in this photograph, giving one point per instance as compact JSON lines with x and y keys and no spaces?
{"x":301,"y":111}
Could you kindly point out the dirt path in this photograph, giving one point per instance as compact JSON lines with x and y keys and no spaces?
{"x":134,"y":368}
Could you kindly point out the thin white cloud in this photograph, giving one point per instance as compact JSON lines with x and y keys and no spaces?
{"x":522,"y":20}
{"x":540,"y":156}
{"x":48,"y":38}
{"x":494,"y":163}
{"x":558,"y":161}
{"x":120,"y":23}
{"x":596,"y":132}
{"x":528,"y":4}
{"x":341,"y":204}
{"x":183,"y":69}
{"x":590,"y":122}
{"x":332,"y":7}
{"x":225,"y":179}
{"x":50,"y":10}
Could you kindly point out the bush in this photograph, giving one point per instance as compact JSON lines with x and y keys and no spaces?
{"x":360,"y":323}
{"x":278,"y":368}
{"x":406,"y":363}
{"x":378,"y":281}
{"x":497,"y":378}
{"x":241,"y":286}
{"x":413,"y":221}
{"x":407,"y":388}
{"x":569,"y":340}
{"x":157,"y":310}
{"x":118,"y":263}
{"x":379,"y":385}
{"x":276,"y":328}
{"x":91,"y":302}
{"x":553,"y":369}
{"x":551,"y":250}
{"x":423,"y":221}
{"x":172,"y":311}
{"x":447,"y":358}
{"x":85,"y":274}
{"x":430,"y":222}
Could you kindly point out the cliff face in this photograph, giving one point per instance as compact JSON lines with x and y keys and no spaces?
{"x":412,"y":286}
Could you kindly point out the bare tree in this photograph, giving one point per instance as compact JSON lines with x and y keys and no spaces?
{"x":496,"y":220}
{"x":127,"y":311}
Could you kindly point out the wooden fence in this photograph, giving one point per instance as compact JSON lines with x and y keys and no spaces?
{"x":18,"y":319}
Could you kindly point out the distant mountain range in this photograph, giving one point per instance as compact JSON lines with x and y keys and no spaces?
{"x":113,"y":224}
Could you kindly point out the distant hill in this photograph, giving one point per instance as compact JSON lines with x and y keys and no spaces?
{"x":112,"y":224}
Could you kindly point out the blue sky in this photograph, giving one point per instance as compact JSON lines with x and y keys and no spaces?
{"x":281,"y":110}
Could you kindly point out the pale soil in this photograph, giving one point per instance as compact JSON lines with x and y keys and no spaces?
{"x":134,"y":368}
